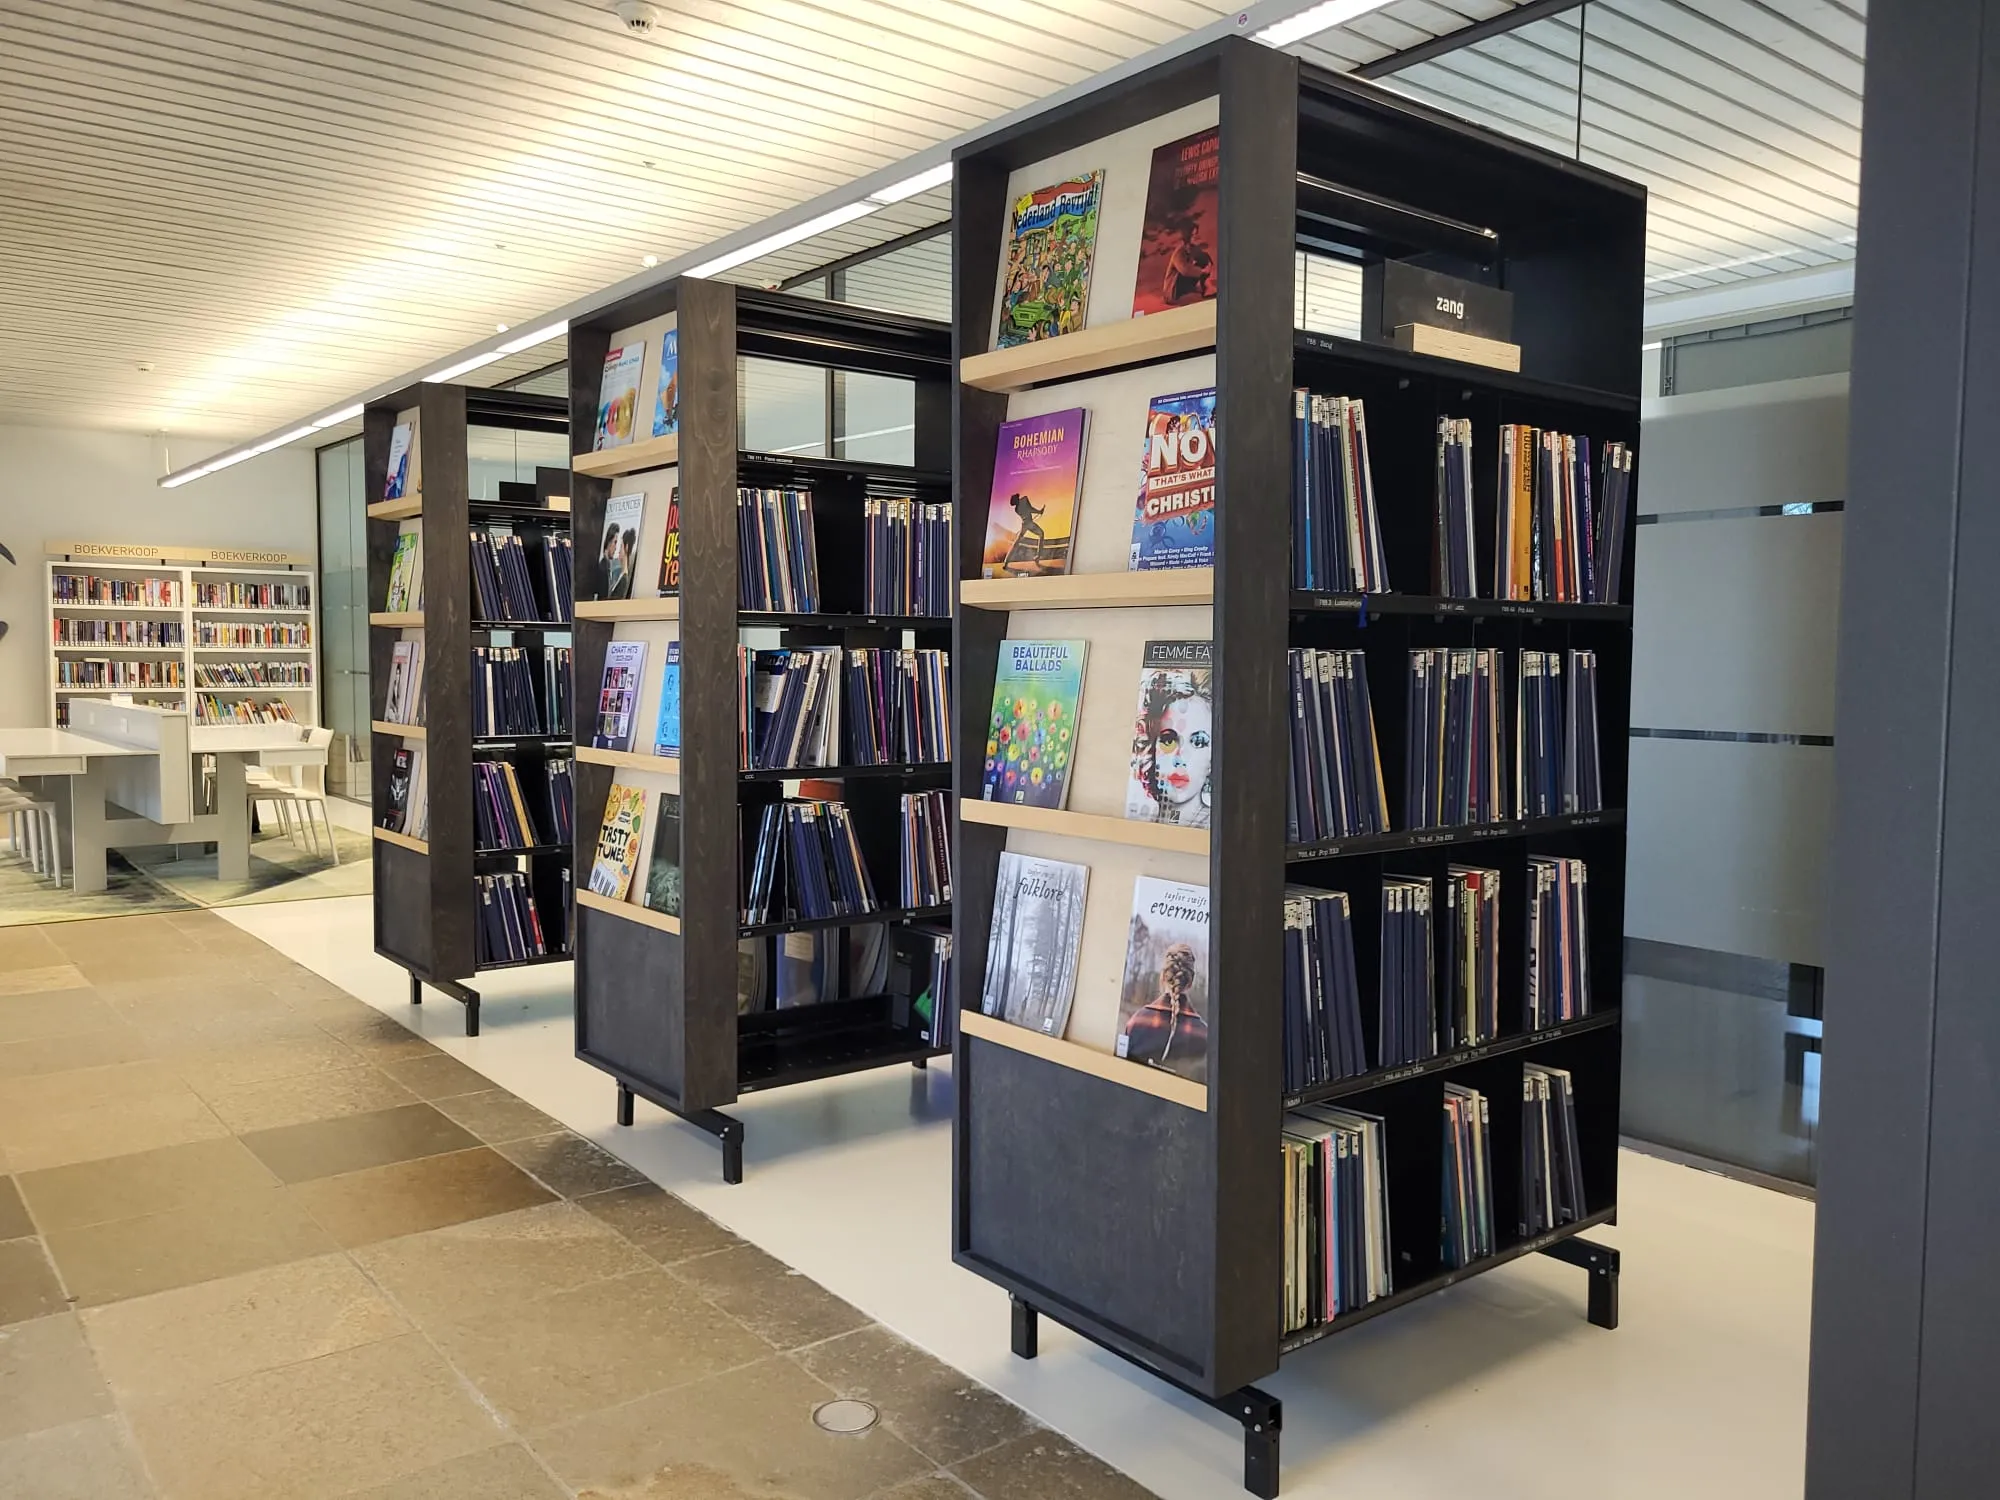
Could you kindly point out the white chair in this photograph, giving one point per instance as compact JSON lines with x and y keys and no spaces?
{"x":31,"y":821}
{"x":308,"y":791}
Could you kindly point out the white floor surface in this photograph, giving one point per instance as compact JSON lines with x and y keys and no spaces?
{"x":1497,"y":1388}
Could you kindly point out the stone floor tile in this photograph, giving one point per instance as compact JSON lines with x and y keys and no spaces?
{"x":26,"y":1098}
{"x":367,"y":1031}
{"x":88,"y":1460}
{"x":220,"y":1237}
{"x":942,"y":1413}
{"x":773,"y":1300}
{"x":261,"y":1062}
{"x":509,"y":1473}
{"x":28,"y":1285}
{"x":1044,"y":1465}
{"x":350,"y":1143}
{"x":41,"y":979}
{"x":14,"y":1220}
{"x":494,"y":1115}
{"x":110,"y":1127}
{"x":550,"y":1359}
{"x":53,"y":1013}
{"x":317,"y":1429}
{"x":570,"y":1164}
{"x":487,"y":1266}
{"x":141,"y":1182}
{"x":409,"y":1197}
{"x":745,"y":1433}
{"x":173,"y":1343}
{"x":436,"y":1075}
{"x":278,"y":1102}
{"x":29,"y":948}
{"x":657,"y":1222}
{"x":47,"y":1377}
{"x":113,"y":1042}
{"x":930,"y":1487}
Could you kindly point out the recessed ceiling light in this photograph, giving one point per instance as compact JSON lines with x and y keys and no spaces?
{"x":649,"y":261}
{"x":499,"y":327}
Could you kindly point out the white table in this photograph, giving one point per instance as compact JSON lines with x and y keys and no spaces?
{"x":45,"y":755}
{"x":234,"y":747}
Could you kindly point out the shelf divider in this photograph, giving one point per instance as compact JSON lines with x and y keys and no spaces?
{"x":1109,"y":346}
{"x":1096,"y":826}
{"x":633,"y":458}
{"x":1155,"y":1081}
{"x":1091,"y":590}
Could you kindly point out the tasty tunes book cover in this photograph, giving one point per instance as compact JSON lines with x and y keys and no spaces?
{"x":1031,"y":736}
{"x":1174,"y":525}
{"x":618,"y":841}
{"x":1183,"y":212}
{"x":1051,"y":241}
{"x":1163,"y":1003}
{"x":1173,"y":735}
{"x":1031,"y":514}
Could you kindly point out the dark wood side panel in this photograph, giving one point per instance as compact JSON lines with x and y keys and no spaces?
{"x":629,"y":1002}
{"x":448,"y":676}
{"x":402,"y":897}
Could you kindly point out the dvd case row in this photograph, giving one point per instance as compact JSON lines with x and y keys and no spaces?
{"x":510,"y":815}
{"x":778,"y":551}
{"x":520,"y":690}
{"x":826,"y":706}
{"x":513,"y":927}
{"x":907,"y":552}
{"x":524,"y":578}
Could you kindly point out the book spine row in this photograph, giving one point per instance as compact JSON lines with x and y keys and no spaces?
{"x":507,"y":817}
{"x":1322,"y":1023}
{"x":252,"y":674}
{"x":909,"y":558}
{"x":1551,"y":1159}
{"x":520,"y":579}
{"x":1336,"y":789}
{"x":1560,"y":534}
{"x":924,"y":874}
{"x":779,"y":572}
{"x":1558,"y":940}
{"x":1454,"y":574}
{"x":1468,"y":1177}
{"x":1337,"y":1236}
{"x":252,"y":596}
{"x":160,"y":633}
{"x":511,"y":928}
{"x":268,"y":633}
{"x":99,"y":671}
{"x":1453,"y":751}
{"x":1336,"y":537}
{"x":87,"y":588}
{"x":520,"y":690}
{"x":920,"y":983}
{"x":823,"y":706}
{"x":806,"y":865}
{"x":209,"y":709}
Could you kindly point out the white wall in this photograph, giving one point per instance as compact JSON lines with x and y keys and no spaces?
{"x":74,"y":485}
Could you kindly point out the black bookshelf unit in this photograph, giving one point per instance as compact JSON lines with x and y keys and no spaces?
{"x":426,"y":890}
{"x":657,"y":994}
{"x":1157,"y":1228}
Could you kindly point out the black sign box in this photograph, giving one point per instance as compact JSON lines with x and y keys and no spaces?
{"x":1393,"y":293}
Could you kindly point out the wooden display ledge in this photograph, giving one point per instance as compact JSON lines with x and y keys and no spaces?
{"x":397,"y":510}
{"x":409,"y":619}
{"x":401,"y":840}
{"x":631,"y":760}
{"x":629,"y":911}
{"x":1087,"y":826}
{"x":1091,"y":590}
{"x":1162,"y":335}
{"x":401,"y":731}
{"x":628,"y":609}
{"x":649,"y":453}
{"x":1155,"y":1081}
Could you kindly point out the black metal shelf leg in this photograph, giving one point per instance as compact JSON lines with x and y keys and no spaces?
{"x":1263,"y":1419}
{"x":1601,"y":1261}
{"x":1026,"y":1331}
{"x":624,"y":1105}
{"x":732,"y":1151}
{"x":416,"y":989}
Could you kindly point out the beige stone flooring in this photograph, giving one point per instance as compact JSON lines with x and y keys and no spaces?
{"x":258,"y":1240}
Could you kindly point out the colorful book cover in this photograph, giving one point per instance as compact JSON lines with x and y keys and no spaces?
{"x":1051,"y":240}
{"x":1037,"y":477}
{"x":618,"y":841}
{"x":618,"y":552}
{"x":1173,"y":735}
{"x":1183,"y":214}
{"x":670,"y":552}
{"x":400,"y":442}
{"x":618,"y":698}
{"x":1031,"y":737}
{"x":667,"y":404}
{"x":667,"y":737}
{"x":1174,"y":526}
{"x":1032,"y":947}
{"x":1163,"y":1004}
{"x":663,"y":874}
{"x":618,"y":396}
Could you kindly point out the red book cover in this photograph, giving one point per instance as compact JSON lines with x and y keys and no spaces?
{"x":1177,"y":249}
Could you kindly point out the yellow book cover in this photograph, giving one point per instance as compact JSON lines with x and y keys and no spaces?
{"x":618,"y":841}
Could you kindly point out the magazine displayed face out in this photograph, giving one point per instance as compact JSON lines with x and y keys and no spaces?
{"x":1173,"y":735}
{"x":1163,"y":1003}
{"x":1051,"y":242}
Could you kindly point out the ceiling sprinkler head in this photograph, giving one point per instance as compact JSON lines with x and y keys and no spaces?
{"x":637,"y":16}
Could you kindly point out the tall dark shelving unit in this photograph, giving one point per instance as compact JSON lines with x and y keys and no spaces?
{"x":1156,"y":1229}
{"x":656,"y":996}
{"x":425,"y":893}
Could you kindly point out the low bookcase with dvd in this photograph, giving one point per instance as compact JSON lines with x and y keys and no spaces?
{"x":1293,"y":691}
{"x":470,"y":626}
{"x":763,"y":654}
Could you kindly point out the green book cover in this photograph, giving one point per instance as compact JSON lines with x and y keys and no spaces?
{"x":1031,"y":735}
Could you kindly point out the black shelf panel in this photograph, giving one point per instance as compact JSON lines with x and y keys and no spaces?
{"x":526,"y":963}
{"x":537,"y":849}
{"x":500,"y":741}
{"x":1438,"y":838}
{"x":501,"y":510}
{"x":806,"y":470}
{"x":1444,"y":1062}
{"x":823,"y":621}
{"x":766,"y":1062}
{"x":1325,"y":348}
{"x":906,"y":769}
{"x":1438,"y":1283}
{"x":1306,"y":603}
{"x":897,"y":914}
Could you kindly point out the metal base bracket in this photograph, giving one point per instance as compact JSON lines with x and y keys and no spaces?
{"x":1026,"y":1332}
{"x":1601,"y":1261}
{"x":1263,"y":1419}
{"x":725,"y":1128}
{"x":464,"y":994}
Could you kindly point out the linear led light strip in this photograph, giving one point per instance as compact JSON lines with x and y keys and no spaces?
{"x":1306,"y":23}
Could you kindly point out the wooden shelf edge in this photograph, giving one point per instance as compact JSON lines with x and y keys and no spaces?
{"x":1105,"y":830}
{"x":613,"y":463}
{"x":1180,"y":330}
{"x":1091,"y":590}
{"x":401,"y":840}
{"x":629,"y":911}
{"x":632,"y":760}
{"x":409,"y":619}
{"x":1155,"y":1081}
{"x":664,"y":608}
{"x":397,"y":510}
{"x":401,"y":731}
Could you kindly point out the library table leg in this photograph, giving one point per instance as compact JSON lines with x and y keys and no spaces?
{"x":1262,"y":1417}
{"x":1601,"y":1261}
{"x":624,"y":1105}
{"x":1026,"y":1330}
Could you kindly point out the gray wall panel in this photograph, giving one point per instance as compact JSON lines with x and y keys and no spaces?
{"x":1779,"y":444}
